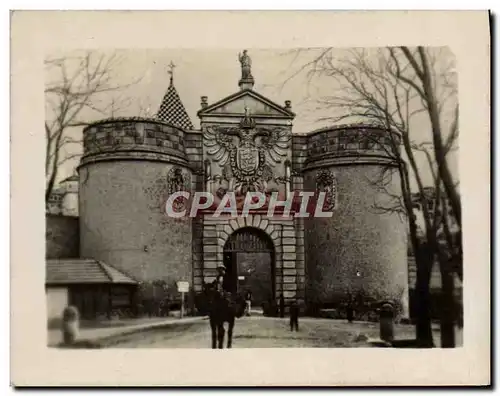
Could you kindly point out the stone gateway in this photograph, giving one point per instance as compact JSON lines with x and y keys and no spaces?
{"x":245,"y":143}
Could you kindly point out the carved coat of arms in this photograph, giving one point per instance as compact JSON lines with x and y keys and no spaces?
{"x":247,"y":159}
{"x":178,"y":181}
{"x":326,"y":182}
{"x":253,"y":154}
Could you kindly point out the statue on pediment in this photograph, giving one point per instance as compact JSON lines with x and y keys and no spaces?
{"x":246,"y":65}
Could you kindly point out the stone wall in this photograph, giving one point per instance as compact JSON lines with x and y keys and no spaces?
{"x":193,"y":141}
{"x":298,"y":238}
{"x":62,"y":239}
{"x":363,"y":246}
{"x":360,"y":247}
{"x":125,"y":180}
{"x":299,"y":148}
{"x":194,"y":153}
{"x":57,"y":299}
{"x":123,"y":222}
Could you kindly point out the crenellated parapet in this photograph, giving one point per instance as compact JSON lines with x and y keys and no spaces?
{"x":353,"y":143}
{"x":134,"y":138}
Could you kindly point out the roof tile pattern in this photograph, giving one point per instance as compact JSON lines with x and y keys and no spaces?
{"x":172,"y":110}
{"x":83,"y":271}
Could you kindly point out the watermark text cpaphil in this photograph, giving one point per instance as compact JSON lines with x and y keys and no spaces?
{"x":296,"y":204}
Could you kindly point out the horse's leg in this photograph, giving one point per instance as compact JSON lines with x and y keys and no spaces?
{"x":213,"y":329}
{"x":230,"y":327}
{"x":220,"y":334}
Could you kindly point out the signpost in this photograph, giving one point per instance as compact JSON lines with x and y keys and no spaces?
{"x":182,"y":287}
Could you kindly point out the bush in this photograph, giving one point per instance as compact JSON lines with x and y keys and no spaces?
{"x":156,"y":299}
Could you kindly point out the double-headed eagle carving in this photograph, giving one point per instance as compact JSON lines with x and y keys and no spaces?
{"x":253,"y":155}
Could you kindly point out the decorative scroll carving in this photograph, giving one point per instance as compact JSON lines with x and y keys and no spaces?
{"x":327,"y":182}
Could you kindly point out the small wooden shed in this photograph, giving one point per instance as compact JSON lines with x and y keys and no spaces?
{"x":94,"y":287}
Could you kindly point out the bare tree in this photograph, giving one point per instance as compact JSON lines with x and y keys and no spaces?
{"x":145,"y":108}
{"x":397,"y":89}
{"x":425,"y":86}
{"x":79,"y":87}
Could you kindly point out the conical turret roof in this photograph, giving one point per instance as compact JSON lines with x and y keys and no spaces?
{"x":172,"y":109}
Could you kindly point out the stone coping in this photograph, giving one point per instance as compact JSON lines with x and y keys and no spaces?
{"x":117,"y":120}
{"x":331,"y":159}
{"x":352,"y":127}
{"x":130,"y":155}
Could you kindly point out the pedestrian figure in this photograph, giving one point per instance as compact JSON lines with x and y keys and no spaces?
{"x":248,"y":302}
{"x":282,"y":306}
{"x":219,"y":280}
{"x":294,"y":316}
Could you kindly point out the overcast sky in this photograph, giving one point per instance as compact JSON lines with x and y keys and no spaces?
{"x":215,"y":74}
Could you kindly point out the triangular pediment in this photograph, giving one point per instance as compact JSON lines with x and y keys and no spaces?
{"x":235,"y":104}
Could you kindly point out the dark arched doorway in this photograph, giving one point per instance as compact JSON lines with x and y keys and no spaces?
{"x":249,"y":258}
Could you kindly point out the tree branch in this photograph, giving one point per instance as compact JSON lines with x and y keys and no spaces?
{"x":75,"y":84}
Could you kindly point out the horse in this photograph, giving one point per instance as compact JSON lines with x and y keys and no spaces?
{"x":222,"y":308}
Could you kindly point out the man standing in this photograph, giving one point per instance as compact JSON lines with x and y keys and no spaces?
{"x":294,"y":316}
{"x":219,"y":280}
{"x":282,"y":306}
{"x":248,"y":302}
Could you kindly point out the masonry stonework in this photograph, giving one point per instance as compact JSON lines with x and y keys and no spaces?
{"x":245,"y":143}
{"x":359,"y":248}
{"x":122,"y":204}
{"x":362,"y":248}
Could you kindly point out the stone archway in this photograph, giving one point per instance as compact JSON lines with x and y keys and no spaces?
{"x":249,"y":255}
{"x":288,"y":245}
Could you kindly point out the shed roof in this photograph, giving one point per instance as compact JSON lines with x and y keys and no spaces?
{"x":83,"y":271}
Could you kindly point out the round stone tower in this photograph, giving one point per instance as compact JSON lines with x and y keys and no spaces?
{"x":362,"y":248}
{"x":69,"y":204}
{"x":129,"y":167}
